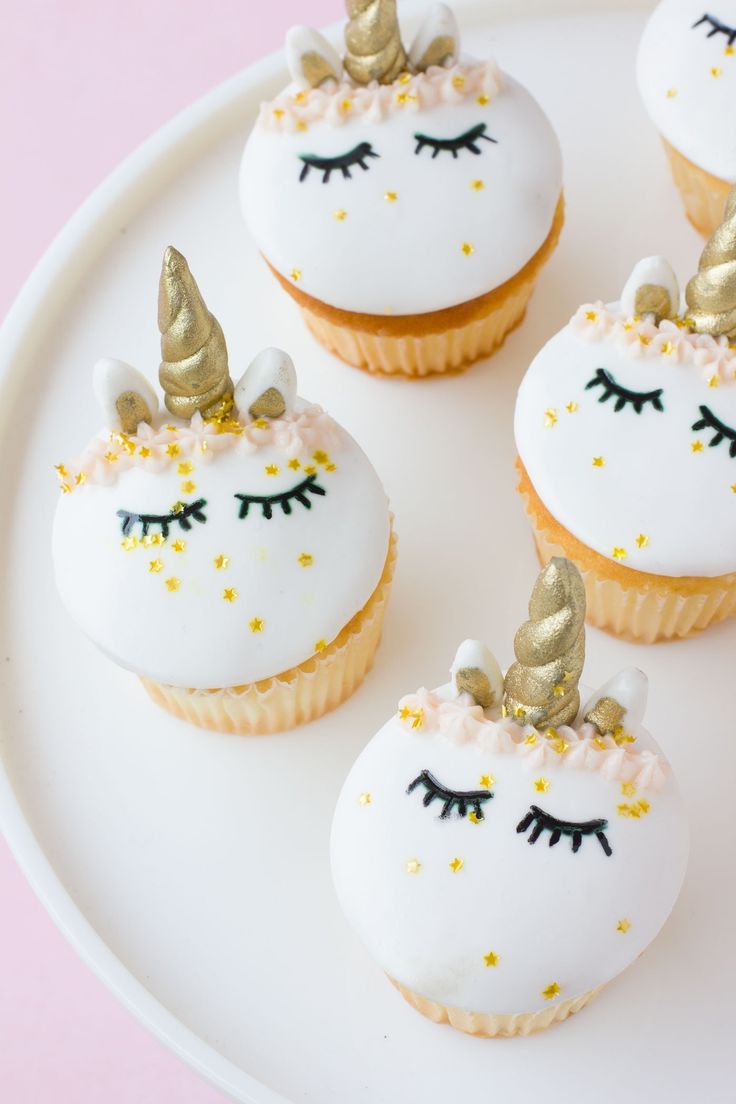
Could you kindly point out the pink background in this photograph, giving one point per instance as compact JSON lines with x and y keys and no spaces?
{"x":82,"y":83}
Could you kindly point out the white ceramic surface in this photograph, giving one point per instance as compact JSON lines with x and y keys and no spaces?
{"x":192,"y":871}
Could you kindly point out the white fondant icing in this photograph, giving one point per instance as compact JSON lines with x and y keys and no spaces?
{"x":687,"y":79}
{"x":385,"y":255}
{"x":548,"y":914}
{"x":474,"y":653}
{"x":112,"y":378}
{"x":270,"y":368}
{"x":651,"y":270}
{"x":192,"y":636}
{"x":305,"y":40}
{"x":439,"y":22}
{"x":651,"y":483}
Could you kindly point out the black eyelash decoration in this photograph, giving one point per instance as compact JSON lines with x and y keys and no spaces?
{"x":183,"y":517}
{"x":560,"y":828}
{"x":637,"y":399}
{"x":709,"y":421}
{"x":459,"y":798}
{"x":716,"y":28}
{"x":344,"y":162}
{"x":469,"y":141}
{"x":284,"y":500}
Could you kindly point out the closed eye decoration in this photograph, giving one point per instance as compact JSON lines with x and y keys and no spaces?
{"x":715,"y":27}
{"x":557,"y":828}
{"x":458,"y":799}
{"x":720,"y":430}
{"x":624,"y":395}
{"x":182,"y":516}
{"x":343,"y":163}
{"x":467,"y":141}
{"x":300,"y":493}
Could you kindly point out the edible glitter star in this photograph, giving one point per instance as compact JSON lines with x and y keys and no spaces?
{"x":365,"y":799}
{"x":256,"y":624}
{"x":558,"y":691}
{"x":458,"y":81}
{"x":671,"y":93}
{"x":599,"y":461}
{"x":668,"y":348}
{"x":733,"y":487}
{"x":550,"y":418}
{"x":456,"y":864}
{"x":229,"y":594}
{"x":477,"y":185}
{"x":179,"y":545}
{"x":305,"y":559}
{"x":642,"y":540}
{"x":272,"y":469}
{"x":330,"y":467}
{"x":188,"y":487}
{"x":486,"y":781}
{"x":144,"y":451}
{"x":173,"y":583}
{"x":172,"y":449}
{"x":571,"y":407}
{"x":296,"y":274}
{"x":696,"y":446}
{"x":390,"y":197}
{"x":320,"y":645}
{"x":623,"y":925}
{"x":185,"y":468}
{"x":221,"y":562}
{"x":482,"y":99}
{"x":309,"y":469}
{"x":416,"y":716}
{"x":413,"y":866}
{"x":491,"y":959}
{"x":619,"y":553}
{"x":467,"y":248}
{"x":591,"y":315}
{"x":320,"y":457}
{"x":61,"y":471}
{"x":294,"y":464}
{"x":551,"y":991}
{"x":628,"y":789}
{"x":714,"y":381}
{"x":531,"y":739}
{"x":541,"y":785}
{"x":474,"y":818}
{"x":716,"y":72}
{"x":129,"y":543}
{"x":341,"y":214}
{"x":111,"y":457}
{"x":154,"y":566}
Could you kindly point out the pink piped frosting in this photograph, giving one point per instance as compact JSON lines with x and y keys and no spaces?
{"x":337,"y":104}
{"x":643,"y":339}
{"x":460,"y":721}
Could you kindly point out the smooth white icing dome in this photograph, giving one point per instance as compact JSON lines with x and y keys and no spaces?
{"x":294,"y":580}
{"x":544,"y":915}
{"x":687,"y":78}
{"x":660,"y":478}
{"x":390,"y":239}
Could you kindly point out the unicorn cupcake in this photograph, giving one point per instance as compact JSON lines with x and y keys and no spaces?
{"x":406,"y":199}
{"x":502,"y":850}
{"x":626,"y":435}
{"x":234,"y":550}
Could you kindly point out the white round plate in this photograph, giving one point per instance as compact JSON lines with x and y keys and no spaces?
{"x":191,"y":870}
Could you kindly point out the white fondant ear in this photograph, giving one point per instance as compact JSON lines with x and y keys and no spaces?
{"x":475,"y":671}
{"x":126,"y":397}
{"x":311,"y":58}
{"x":628,"y":689}
{"x":437,"y":41}
{"x":268,"y":386}
{"x":652,"y":288}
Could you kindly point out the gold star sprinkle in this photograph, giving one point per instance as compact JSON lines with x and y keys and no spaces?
{"x":259,"y":423}
{"x":733,"y":487}
{"x":229,"y":594}
{"x":482,"y":100}
{"x":531,"y":739}
{"x":671,"y":93}
{"x":458,"y":81}
{"x":697,"y":446}
{"x":294,"y":464}
{"x":477,"y":185}
{"x":716,"y":72}
{"x":390,"y":197}
{"x":256,"y":624}
{"x":474,"y":818}
{"x":413,"y":866}
{"x":467,"y":248}
{"x":221,"y":562}
{"x":340,"y":214}
{"x":416,"y":716}
{"x":309,"y":469}
{"x":129,"y":543}
{"x":550,"y":418}
{"x":278,"y":112}
{"x":628,"y":789}
{"x":519,"y":712}
{"x":541,"y":785}
{"x":320,"y":645}
{"x":571,"y":407}
{"x":559,"y":745}
{"x":456,"y":864}
{"x":177,"y":507}
{"x":179,"y":545}
{"x":714,"y":381}
{"x":152,"y":539}
{"x":642,"y":541}
{"x":321,"y":457}
{"x":599,"y":462}
{"x":173,"y":583}
{"x":144,"y":451}
{"x":623,"y":925}
{"x":558,"y":691}
{"x":65,"y":488}
{"x":61,"y":471}
{"x":301,"y":125}
{"x":111,"y":457}
{"x":551,"y":991}
{"x":185,"y":468}
{"x":668,"y":348}
{"x":729,"y":51}
{"x":591,"y":315}
{"x":296,"y":274}
{"x":188,"y":487}
{"x":305,"y":559}
{"x":80,"y":478}
{"x":491,"y":959}
{"x":154,"y":566}
{"x":365,"y":799}
{"x":172,"y":449}
{"x":171,"y":428}
{"x":619,"y":553}
{"x":272,"y":469}
{"x":486,"y":781}
{"x":330,"y":467}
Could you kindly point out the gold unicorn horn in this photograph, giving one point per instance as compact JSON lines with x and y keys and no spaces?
{"x":711,"y":295}
{"x":194,"y":370}
{"x":373,"y":40}
{"x":541,"y":688}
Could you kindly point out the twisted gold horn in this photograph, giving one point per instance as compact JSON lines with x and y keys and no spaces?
{"x":194,"y":369}
{"x":541,"y":687}
{"x":373,"y":40}
{"x":711,"y":295}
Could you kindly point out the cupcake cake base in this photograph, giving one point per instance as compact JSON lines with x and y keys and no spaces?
{"x":294,"y":697}
{"x":703,"y":194}
{"x":418,"y":345}
{"x":636,"y":605}
{"x":490,"y":1025}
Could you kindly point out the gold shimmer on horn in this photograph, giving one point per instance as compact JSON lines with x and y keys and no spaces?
{"x":132,"y":409}
{"x":654,"y":299}
{"x":317,"y":69}
{"x":541,"y":687}
{"x":194,"y":369}
{"x":268,"y":405}
{"x":607,"y":714}
{"x":476,"y":683}
{"x":711,"y":295}
{"x":373,"y":40}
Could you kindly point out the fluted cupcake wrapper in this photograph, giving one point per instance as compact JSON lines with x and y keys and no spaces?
{"x":703,"y":194}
